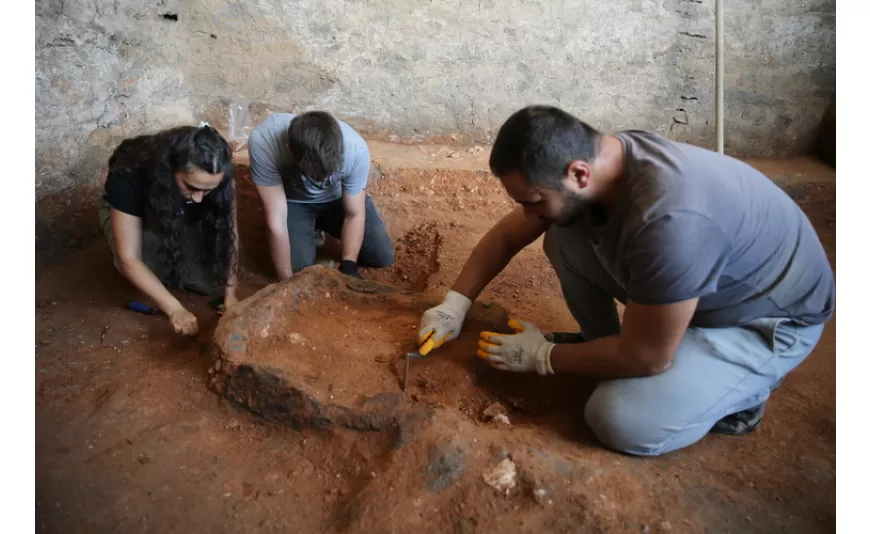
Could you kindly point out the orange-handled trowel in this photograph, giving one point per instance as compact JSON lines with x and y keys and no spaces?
{"x":425,"y":348}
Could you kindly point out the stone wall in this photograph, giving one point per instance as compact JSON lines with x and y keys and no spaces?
{"x":106,"y":69}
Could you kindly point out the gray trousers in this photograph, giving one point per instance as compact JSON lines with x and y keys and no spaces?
{"x":716,"y":371}
{"x":303,"y":219}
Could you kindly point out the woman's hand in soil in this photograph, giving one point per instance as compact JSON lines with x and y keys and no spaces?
{"x":442,"y":323}
{"x":525,"y":351}
{"x":183,"y":322}
{"x":230,"y":300}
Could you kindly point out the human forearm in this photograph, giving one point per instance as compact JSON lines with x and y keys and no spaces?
{"x":352,"y":233}
{"x":141,"y":276}
{"x":279,"y":248}
{"x":232,"y":284}
{"x":605,"y":357}
{"x":489,"y":258}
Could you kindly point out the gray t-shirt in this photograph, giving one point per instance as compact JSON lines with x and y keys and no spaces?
{"x":271,"y":164}
{"x":693,"y":223}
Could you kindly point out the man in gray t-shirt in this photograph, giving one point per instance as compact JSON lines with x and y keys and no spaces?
{"x":725,"y":283}
{"x":311,"y":172}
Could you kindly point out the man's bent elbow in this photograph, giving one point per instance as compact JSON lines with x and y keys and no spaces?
{"x":652,"y":364}
{"x":656,"y":367}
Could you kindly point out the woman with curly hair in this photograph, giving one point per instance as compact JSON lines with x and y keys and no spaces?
{"x":169,"y":213}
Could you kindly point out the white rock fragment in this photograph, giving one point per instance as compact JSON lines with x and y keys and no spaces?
{"x":501,"y":418}
{"x":540,"y":495}
{"x":496,"y":413}
{"x":502,"y":477}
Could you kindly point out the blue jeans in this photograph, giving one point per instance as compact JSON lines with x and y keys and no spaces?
{"x":716,"y":371}
{"x":303,"y":219}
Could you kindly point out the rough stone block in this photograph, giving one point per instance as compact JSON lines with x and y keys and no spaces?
{"x":323,"y":349}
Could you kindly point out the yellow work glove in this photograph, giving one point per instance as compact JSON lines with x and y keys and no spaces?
{"x":442,"y":323}
{"x":525,"y":351}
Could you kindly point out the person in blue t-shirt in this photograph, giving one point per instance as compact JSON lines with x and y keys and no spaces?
{"x":311,"y":171}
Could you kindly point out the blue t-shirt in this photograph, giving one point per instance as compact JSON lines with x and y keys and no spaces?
{"x":271,"y":163}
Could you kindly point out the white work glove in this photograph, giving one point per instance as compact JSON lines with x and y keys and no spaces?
{"x":525,"y":351}
{"x":442,"y":323}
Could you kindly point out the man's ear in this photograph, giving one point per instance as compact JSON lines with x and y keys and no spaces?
{"x":577,"y":175}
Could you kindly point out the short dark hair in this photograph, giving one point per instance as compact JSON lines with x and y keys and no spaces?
{"x":317,"y":144}
{"x":540,"y":142}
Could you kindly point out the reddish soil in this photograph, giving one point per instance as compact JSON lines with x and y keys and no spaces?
{"x":131,"y":438}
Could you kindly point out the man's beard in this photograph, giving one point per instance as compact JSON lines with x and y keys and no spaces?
{"x":574,"y":208}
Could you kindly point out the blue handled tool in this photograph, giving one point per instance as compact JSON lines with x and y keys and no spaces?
{"x":141,"y":308}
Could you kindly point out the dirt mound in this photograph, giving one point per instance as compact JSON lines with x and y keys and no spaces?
{"x":323,"y":349}
{"x":458,"y":450}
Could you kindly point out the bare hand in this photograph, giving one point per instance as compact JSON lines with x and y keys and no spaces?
{"x":230,"y":300}
{"x":183,"y":322}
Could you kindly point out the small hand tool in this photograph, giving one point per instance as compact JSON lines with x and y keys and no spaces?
{"x":141,"y":308}
{"x":425,"y":348}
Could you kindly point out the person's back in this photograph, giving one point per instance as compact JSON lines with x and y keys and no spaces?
{"x":757,"y":255}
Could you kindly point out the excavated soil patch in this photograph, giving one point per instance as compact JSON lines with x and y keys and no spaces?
{"x":417,"y":255}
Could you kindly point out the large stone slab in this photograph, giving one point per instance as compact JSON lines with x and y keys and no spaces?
{"x":324,"y":349}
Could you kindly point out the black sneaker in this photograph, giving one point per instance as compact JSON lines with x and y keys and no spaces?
{"x":565,"y":337}
{"x":740,"y":423}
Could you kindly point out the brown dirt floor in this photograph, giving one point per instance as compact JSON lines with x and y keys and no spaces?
{"x":131,"y":439}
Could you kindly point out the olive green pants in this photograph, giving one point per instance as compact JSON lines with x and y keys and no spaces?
{"x":196,"y":278}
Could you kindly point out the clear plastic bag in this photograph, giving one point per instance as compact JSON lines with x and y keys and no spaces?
{"x":239,"y":125}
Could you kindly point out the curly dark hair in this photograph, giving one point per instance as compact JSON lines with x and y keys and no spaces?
{"x":185,"y":149}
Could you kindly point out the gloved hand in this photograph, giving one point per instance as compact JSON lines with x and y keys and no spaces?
{"x":443,"y":322}
{"x":349,"y":268}
{"x":525,"y":351}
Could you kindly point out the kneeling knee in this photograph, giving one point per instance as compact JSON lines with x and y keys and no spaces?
{"x":384,"y":257}
{"x":621,"y":427}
